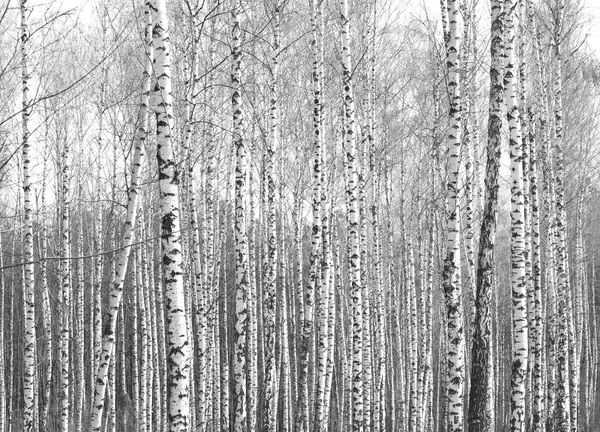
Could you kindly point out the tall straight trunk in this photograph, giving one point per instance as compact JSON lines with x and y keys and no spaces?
{"x":30,"y":408}
{"x":427,"y":408}
{"x":312,"y":286}
{"x":452,"y":263}
{"x":520,"y":347}
{"x":78,"y":327}
{"x":467,"y":156}
{"x":381,"y":412}
{"x":177,"y":333}
{"x":550,"y":283}
{"x":537,"y":338}
{"x":111,"y":420}
{"x":153,"y":364}
{"x":297,"y":295}
{"x":579,"y":317}
{"x":481,"y":404}
{"x":97,"y":285}
{"x":3,"y":387}
{"x":397,"y":403}
{"x":211,"y":272}
{"x":342,"y":347}
{"x":10,"y":397}
{"x":241,"y":237}
{"x":65,"y":292}
{"x":284,"y":326}
{"x":563,"y":368}
{"x":253,"y":227}
{"x":523,"y":89}
{"x":124,"y":400}
{"x":135,"y":367}
{"x":197,"y":289}
{"x":323,"y":308}
{"x":46,"y":319}
{"x":331,"y":315}
{"x":142,"y":288}
{"x":379,"y":363}
{"x":270,"y":371}
{"x":222,"y":335}
{"x":366,"y":331}
{"x":162,"y":344}
{"x":116,"y":294}
{"x":380,"y":375}
{"x":356,"y":290}
{"x":411,"y":292}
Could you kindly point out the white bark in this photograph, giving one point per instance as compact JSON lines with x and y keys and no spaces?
{"x":563,"y":368}
{"x":65,"y":293}
{"x":79,"y":360}
{"x":520,"y":342}
{"x":3,"y":386}
{"x":142,"y":420}
{"x":356,"y":291}
{"x":452,"y":283}
{"x":270,"y":375}
{"x":114,"y":303}
{"x":30,"y":409}
{"x":241,"y":237}
{"x":178,"y":347}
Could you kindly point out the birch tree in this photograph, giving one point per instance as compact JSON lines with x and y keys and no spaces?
{"x":312,"y":286}
{"x":452,"y":265}
{"x":356,"y":291}
{"x":241,"y":237}
{"x":66,"y":288}
{"x":29,"y":412}
{"x":563,"y":368}
{"x":520,"y":342}
{"x":270,"y":375}
{"x":178,"y":346}
{"x":109,"y":337}
{"x":481,"y":401}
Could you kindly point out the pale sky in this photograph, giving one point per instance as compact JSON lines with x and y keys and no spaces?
{"x":591,"y":8}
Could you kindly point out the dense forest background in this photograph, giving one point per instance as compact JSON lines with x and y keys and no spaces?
{"x":288,"y":215}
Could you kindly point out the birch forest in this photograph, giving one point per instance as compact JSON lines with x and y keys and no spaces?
{"x":299,"y":215}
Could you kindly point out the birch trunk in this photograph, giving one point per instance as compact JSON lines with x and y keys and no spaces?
{"x":307,"y":321}
{"x":222,"y":349}
{"x":135,"y":369}
{"x":30,"y":408}
{"x":47,"y":321}
{"x":538,"y":314}
{"x":197,"y":289}
{"x":320,"y":423}
{"x":331,"y":317}
{"x":356,"y":291}
{"x":520,"y":348}
{"x":284,"y":325}
{"x":451,"y":276}
{"x":142,"y":287}
{"x":563,"y":368}
{"x":241,"y":237}
{"x":480,"y":404}
{"x":79,"y":348}
{"x":177,"y":333}
{"x":3,"y":386}
{"x":65,"y":293}
{"x":270,"y":372}
{"x":253,"y":228}
{"x":114,"y":303}
{"x":540,"y":352}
